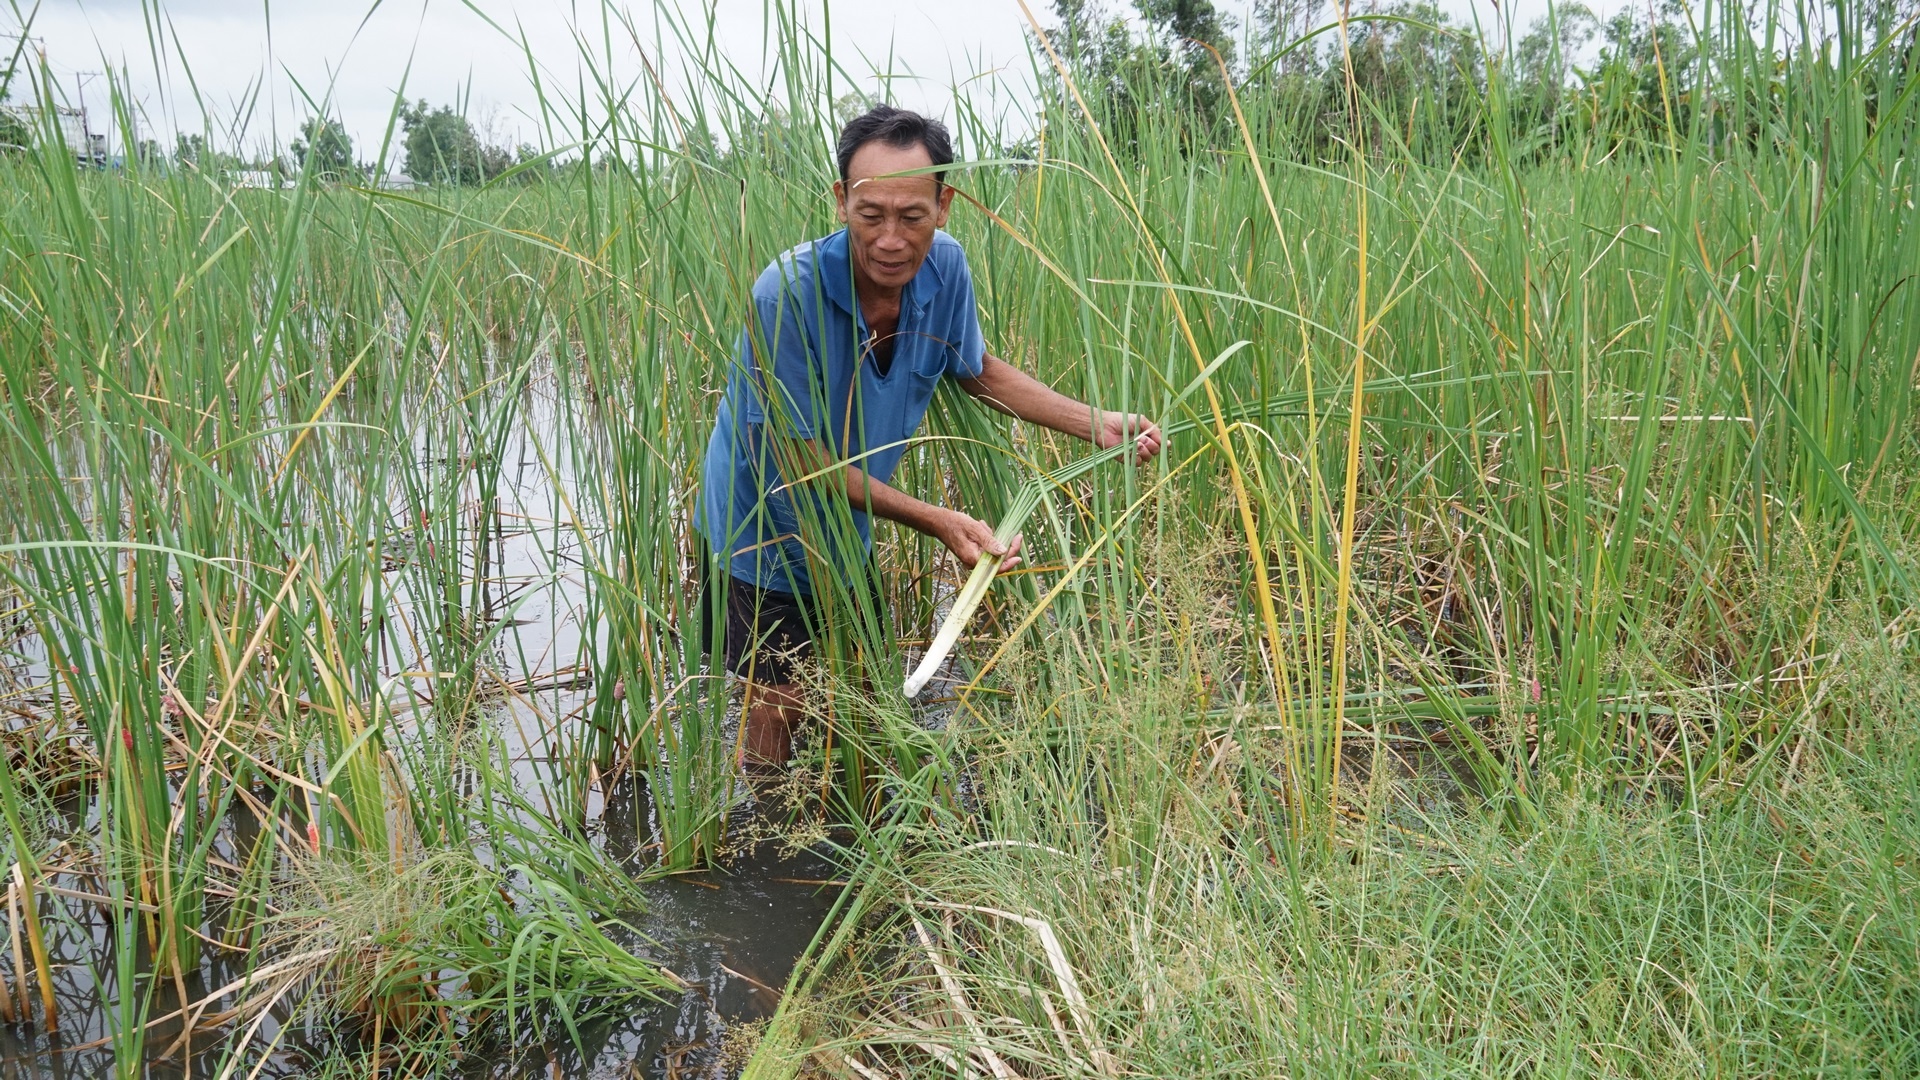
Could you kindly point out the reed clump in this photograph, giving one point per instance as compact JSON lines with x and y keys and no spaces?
{"x":1128,"y":897}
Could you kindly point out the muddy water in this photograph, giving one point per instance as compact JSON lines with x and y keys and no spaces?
{"x":733,"y":934}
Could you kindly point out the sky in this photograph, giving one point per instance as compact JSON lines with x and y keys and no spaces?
{"x":264,"y":59}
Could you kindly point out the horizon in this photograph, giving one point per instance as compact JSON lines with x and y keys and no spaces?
{"x":363,"y":66}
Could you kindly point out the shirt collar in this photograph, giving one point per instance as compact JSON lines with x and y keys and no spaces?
{"x":836,"y":272}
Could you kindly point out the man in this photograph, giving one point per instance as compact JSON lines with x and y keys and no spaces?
{"x":846,"y":340}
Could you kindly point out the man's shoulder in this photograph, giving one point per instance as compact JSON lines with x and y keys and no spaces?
{"x":792,"y":267}
{"x":946,"y":251}
{"x":946,"y":271}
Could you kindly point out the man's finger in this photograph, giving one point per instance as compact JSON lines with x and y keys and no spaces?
{"x":1146,"y":446}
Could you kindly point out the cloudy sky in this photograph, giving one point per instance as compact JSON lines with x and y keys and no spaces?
{"x":262,"y":59}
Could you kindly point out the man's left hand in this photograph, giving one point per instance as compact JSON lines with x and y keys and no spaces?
{"x":1113,"y":429}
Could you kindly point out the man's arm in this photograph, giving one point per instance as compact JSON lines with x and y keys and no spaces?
{"x":967,"y":537}
{"x":1007,"y":389}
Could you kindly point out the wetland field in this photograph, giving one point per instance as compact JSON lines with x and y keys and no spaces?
{"x":1509,"y":669}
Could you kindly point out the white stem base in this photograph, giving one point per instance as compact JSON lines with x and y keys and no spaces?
{"x":970,"y":596}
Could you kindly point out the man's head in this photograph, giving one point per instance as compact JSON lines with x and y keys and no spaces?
{"x":891,"y":219}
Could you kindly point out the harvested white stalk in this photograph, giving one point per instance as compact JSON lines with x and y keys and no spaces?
{"x":970,"y":596}
{"x":975,"y":590}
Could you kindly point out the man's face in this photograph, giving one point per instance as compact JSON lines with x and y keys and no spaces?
{"x":890,"y":222}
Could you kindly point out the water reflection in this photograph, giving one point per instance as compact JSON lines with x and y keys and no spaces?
{"x":732,"y":934}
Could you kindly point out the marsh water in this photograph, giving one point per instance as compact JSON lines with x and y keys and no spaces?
{"x":731,"y":933}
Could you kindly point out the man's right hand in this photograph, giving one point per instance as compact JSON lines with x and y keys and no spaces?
{"x":969,"y":538}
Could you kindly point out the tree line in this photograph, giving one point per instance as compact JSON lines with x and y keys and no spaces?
{"x":439,"y":146}
{"x":1422,"y":77}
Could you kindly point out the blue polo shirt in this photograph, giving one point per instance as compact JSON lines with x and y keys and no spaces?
{"x":801,"y":369}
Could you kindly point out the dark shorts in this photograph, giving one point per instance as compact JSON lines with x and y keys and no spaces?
{"x":764,"y":634}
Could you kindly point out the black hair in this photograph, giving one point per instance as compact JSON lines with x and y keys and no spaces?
{"x":900,"y":129}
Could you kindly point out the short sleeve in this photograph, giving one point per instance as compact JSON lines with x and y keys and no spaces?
{"x":969,"y":356}
{"x":775,"y":342}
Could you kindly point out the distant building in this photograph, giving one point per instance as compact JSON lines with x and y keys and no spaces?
{"x":73,"y":130}
{"x":89,"y":148}
{"x":258,"y":178}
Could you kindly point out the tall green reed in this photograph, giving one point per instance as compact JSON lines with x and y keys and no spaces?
{"x":259,"y":450}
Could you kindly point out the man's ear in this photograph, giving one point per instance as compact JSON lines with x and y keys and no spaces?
{"x":946,"y":201}
{"x":840,"y":200}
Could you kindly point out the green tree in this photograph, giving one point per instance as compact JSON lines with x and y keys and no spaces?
{"x":192,"y":151}
{"x":1640,"y":82}
{"x":1278,"y":24}
{"x":1082,"y":25}
{"x":1421,"y":73}
{"x":1541,"y":73}
{"x":16,"y":135}
{"x":442,"y":148}
{"x":1161,"y":78}
{"x":324,"y":149}
{"x":1189,"y":25}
